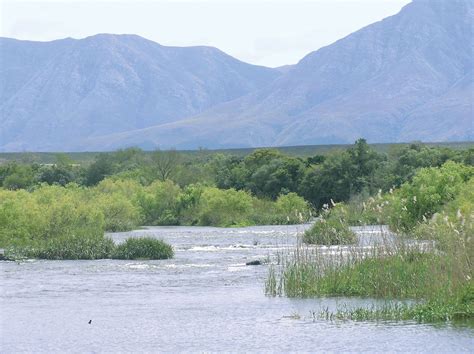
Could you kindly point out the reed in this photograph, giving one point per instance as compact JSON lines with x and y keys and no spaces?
{"x":143,"y":248}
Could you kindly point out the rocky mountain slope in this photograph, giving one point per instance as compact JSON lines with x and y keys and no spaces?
{"x":408,"y":77}
{"x":54,"y":94}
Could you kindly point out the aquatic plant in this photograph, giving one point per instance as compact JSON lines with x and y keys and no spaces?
{"x":143,"y":248}
{"x":71,"y":248}
{"x":401,"y":275}
{"x":459,"y":307}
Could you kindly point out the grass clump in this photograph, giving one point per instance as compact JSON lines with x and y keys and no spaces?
{"x":331,"y":229}
{"x":395,"y":276}
{"x":71,"y":248}
{"x":143,"y":248}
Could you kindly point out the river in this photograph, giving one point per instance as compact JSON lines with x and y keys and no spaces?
{"x":205,"y":299}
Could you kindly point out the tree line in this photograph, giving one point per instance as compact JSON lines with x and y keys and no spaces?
{"x":264,"y":173}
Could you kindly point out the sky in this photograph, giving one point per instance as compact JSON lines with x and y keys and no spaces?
{"x":264,"y":32}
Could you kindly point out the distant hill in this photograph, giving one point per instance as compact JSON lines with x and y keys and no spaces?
{"x":408,"y":77}
{"x":55,"y":94}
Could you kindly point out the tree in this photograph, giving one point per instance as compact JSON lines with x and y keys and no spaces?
{"x":60,"y":174}
{"x":102,"y":167}
{"x":165,"y":163}
{"x":342,"y":175}
{"x":18,"y":176}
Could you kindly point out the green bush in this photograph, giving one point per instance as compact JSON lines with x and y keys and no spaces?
{"x":52,"y":222}
{"x":292,"y":209}
{"x":159,"y":203}
{"x":21,"y":218}
{"x":229,"y":207}
{"x":143,"y":248}
{"x":120,"y":214}
{"x":264,"y":213}
{"x":366,"y":210}
{"x":331,"y":229}
{"x":426,"y":194}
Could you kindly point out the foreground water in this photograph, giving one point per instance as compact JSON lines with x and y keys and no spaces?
{"x":205,"y":299}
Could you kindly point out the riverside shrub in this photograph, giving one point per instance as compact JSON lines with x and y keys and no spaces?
{"x":224,"y":207}
{"x":331,"y":229}
{"x":292,"y":209}
{"x":426,"y":194}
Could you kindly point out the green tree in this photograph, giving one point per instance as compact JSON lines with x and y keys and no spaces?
{"x":102,"y":167}
{"x":165,"y":163}
{"x":19,"y":176}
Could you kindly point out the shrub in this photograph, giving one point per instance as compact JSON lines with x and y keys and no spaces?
{"x":426,"y":194}
{"x":292,"y":209}
{"x":143,"y":248}
{"x":364,"y":210}
{"x":331,"y":229}
{"x":264,"y":213}
{"x":224,"y":207}
{"x":125,"y":187}
{"x":189,"y":202}
{"x":159,"y":203}
{"x":21,"y":218}
{"x":52,"y":222}
{"x":120,"y":214}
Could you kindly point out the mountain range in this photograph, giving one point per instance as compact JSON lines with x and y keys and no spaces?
{"x":408,"y":77}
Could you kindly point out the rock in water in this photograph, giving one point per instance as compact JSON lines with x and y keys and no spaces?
{"x":257,"y":262}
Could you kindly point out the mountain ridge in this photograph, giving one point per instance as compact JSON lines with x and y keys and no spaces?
{"x":110,"y":83}
{"x":407,"y":77}
{"x":364,"y":85}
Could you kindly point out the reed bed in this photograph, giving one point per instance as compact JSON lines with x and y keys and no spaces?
{"x":440,"y":283}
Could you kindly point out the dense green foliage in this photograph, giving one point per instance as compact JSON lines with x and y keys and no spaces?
{"x":143,"y":248}
{"x":69,"y":222}
{"x":44,"y":206}
{"x":333,"y":173}
{"x":426,"y":194}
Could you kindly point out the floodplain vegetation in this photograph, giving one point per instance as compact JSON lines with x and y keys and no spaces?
{"x":426,"y":256}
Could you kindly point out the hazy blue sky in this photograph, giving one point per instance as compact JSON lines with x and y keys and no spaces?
{"x":266,"y":32}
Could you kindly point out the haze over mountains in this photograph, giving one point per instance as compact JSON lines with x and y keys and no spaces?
{"x":57,"y":92}
{"x":408,"y":77}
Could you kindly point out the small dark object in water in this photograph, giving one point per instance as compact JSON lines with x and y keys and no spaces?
{"x":257,"y":262}
{"x":90,"y":321}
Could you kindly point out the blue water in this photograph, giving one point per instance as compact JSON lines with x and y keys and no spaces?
{"x":205,"y":299}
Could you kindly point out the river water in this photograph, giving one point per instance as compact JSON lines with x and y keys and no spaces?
{"x":205,"y":299}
